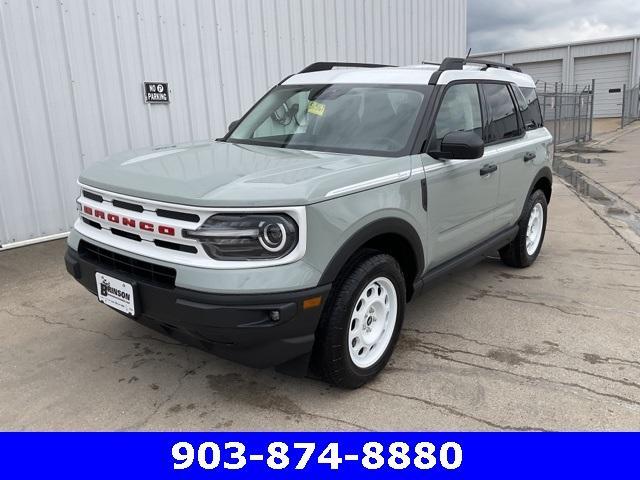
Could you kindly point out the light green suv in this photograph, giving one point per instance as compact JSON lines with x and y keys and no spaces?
{"x":298,"y":238}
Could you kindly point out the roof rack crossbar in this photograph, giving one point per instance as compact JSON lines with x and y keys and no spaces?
{"x":453,"y":63}
{"x":490,"y":64}
{"x":321,"y":66}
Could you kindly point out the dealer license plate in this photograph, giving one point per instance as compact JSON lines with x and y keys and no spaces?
{"x":115,"y":293}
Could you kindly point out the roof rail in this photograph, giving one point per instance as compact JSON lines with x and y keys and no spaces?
{"x":321,"y":66}
{"x":490,"y":64}
{"x":449,"y":63}
{"x":453,"y":63}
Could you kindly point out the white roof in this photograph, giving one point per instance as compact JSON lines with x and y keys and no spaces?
{"x":409,"y":75}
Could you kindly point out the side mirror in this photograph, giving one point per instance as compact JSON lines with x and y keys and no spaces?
{"x":460,"y":146}
{"x":233,"y":125}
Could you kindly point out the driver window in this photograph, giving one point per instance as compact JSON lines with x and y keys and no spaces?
{"x":459,"y":111}
{"x":287,"y":119}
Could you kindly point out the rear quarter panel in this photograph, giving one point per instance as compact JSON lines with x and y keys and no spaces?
{"x":517,"y":176}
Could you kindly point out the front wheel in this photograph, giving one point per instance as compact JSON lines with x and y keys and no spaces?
{"x":361,"y":322}
{"x":524,"y":249}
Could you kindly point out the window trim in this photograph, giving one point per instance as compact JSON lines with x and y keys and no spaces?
{"x":514,"y":102}
{"x":434,"y":108}
{"x":513,"y":87}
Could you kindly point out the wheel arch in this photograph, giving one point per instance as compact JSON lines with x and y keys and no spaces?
{"x":542,"y":181}
{"x":393,"y":236}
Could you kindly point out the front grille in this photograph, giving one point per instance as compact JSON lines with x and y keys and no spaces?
{"x":92,"y":196}
{"x":91,"y":223}
{"x":129,"y":235}
{"x":187,"y":217}
{"x":127,"y":205}
{"x":175,"y":246}
{"x":156,"y":274}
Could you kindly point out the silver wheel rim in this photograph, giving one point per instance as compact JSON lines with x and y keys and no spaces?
{"x":534,"y":228}
{"x":372,"y":322}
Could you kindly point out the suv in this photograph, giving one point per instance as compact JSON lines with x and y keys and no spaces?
{"x":297,"y":239}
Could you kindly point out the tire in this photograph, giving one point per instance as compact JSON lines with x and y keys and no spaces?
{"x":519,"y":253}
{"x":355,"y":308}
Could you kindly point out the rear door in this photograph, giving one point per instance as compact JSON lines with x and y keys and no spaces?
{"x":507,"y":147}
{"x":516,"y":141}
{"x":461,"y":198}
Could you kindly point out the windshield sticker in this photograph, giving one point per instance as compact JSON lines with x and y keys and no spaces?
{"x":316,"y":108}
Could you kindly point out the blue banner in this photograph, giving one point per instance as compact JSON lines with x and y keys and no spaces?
{"x":320,"y":455}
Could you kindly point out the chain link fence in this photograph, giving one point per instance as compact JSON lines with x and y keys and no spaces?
{"x":567,"y":110}
{"x":630,"y":105}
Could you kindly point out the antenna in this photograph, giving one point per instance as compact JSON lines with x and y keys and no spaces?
{"x":468,"y":53}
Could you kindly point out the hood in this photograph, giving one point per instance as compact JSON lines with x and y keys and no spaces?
{"x":220,"y":174}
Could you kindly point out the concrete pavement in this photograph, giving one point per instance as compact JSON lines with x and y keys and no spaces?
{"x":607,"y":172}
{"x":551,"y":347}
{"x":621,"y":172}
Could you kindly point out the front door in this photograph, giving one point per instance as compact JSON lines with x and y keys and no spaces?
{"x":462,"y":193}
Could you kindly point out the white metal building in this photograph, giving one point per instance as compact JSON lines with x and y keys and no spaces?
{"x":612,"y":62}
{"x":72,"y":73}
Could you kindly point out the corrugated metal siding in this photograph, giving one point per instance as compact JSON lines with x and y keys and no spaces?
{"x":535,"y":55}
{"x":602,"y":48}
{"x":71,"y":76}
{"x":549,"y":72}
{"x":578,"y":54}
{"x":490,"y":58}
{"x":610,"y":72}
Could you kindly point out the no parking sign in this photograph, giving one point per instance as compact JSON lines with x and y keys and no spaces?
{"x":156,"y":92}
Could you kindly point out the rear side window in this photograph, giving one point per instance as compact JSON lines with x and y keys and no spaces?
{"x":459,"y":111}
{"x":529,"y":107}
{"x":502,"y":116}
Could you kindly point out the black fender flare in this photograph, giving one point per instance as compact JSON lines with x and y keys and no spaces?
{"x":544,"y":172}
{"x":382,"y":226}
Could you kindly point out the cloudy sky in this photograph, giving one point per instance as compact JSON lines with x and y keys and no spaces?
{"x":504,"y":24}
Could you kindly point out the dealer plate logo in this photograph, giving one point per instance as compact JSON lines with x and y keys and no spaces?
{"x":115,"y":293}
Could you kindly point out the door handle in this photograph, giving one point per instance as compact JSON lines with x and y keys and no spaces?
{"x":529,"y":156}
{"x":488,"y":168}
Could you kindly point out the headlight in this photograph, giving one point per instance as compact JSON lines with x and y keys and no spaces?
{"x":246,"y":236}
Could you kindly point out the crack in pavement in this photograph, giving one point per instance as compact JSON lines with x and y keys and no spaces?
{"x":45,"y":320}
{"x":554,"y":348}
{"x":488,"y":293}
{"x":509,"y":296}
{"x":551,"y":260}
{"x":523,"y":360}
{"x":125,"y":337}
{"x":436,"y":354}
{"x":459,"y":413}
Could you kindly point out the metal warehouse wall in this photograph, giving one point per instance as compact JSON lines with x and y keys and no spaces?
{"x":71,"y":76}
{"x":613,"y":62}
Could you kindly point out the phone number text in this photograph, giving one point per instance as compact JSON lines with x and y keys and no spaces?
{"x":280,"y":455}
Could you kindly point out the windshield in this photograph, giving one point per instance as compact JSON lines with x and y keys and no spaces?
{"x":369,"y":119}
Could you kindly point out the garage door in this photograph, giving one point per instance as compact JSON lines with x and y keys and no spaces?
{"x":610,"y":72}
{"x":550,"y":72}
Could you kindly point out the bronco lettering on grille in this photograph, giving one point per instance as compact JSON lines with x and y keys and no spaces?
{"x":129,"y":222}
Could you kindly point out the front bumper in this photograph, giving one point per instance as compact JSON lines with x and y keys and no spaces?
{"x":234,"y":326}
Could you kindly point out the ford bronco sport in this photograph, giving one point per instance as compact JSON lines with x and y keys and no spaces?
{"x":297,"y":239}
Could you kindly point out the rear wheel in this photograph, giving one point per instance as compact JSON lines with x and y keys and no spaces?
{"x":524,"y":249}
{"x":361,"y":322}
